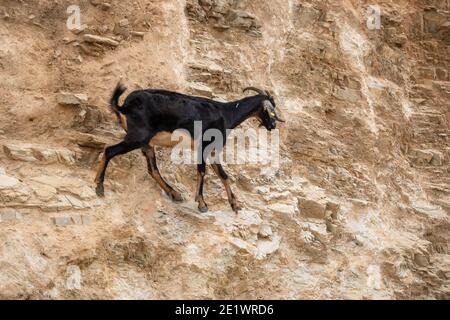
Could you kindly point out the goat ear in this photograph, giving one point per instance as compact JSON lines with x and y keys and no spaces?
{"x":268,"y":106}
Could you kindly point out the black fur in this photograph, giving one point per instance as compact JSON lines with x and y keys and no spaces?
{"x":160,"y":110}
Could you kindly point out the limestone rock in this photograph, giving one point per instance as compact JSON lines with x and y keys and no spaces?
{"x":100,"y":40}
{"x":62,"y":221}
{"x":124,"y":22}
{"x":12,"y":191}
{"x":200,"y":89}
{"x":7,"y":182}
{"x":39,"y":153}
{"x":242,"y":19}
{"x":265,"y":231}
{"x":425,"y":208}
{"x":318,"y":209}
{"x":74,"y":277}
{"x":91,"y":141}
{"x":267,"y":247}
{"x":9,"y":214}
{"x":225,"y":14}
{"x":421,"y":260}
{"x":283,"y":208}
{"x":71,"y":220}
{"x":347,"y":94}
{"x":106,"y":6}
{"x":428,"y":157}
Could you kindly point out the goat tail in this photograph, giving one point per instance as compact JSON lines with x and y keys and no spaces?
{"x":114,"y":104}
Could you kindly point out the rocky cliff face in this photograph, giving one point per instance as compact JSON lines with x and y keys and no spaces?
{"x":359,"y":207}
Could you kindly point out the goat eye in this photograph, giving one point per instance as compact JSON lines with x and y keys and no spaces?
{"x":272,"y":114}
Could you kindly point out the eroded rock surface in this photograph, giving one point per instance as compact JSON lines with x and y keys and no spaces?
{"x":358,"y":208}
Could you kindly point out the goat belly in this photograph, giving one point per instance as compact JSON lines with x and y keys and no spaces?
{"x":164,"y":139}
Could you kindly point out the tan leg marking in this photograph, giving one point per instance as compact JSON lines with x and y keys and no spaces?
{"x":123,"y":122}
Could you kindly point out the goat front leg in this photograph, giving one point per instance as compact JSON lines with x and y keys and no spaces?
{"x":202,"y":206}
{"x":149,"y":153}
{"x":100,"y":176}
{"x":218,"y":169}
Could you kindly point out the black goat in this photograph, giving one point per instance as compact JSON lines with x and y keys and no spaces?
{"x":150,"y":116}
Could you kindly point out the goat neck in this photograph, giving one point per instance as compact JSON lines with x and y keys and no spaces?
{"x":238,"y":111}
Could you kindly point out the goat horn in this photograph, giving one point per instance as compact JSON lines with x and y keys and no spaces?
{"x":278,"y":118}
{"x":256,"y":90}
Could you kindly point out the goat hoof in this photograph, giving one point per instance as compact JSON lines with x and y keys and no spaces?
{"x":176,"y":196}
{"x":203,"y":209}
{"x":100,"y":191}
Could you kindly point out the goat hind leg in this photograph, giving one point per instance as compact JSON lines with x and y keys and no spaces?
{"x":218,"y":169}
{"x":111,"y":152}
{"x":149,"y":153}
